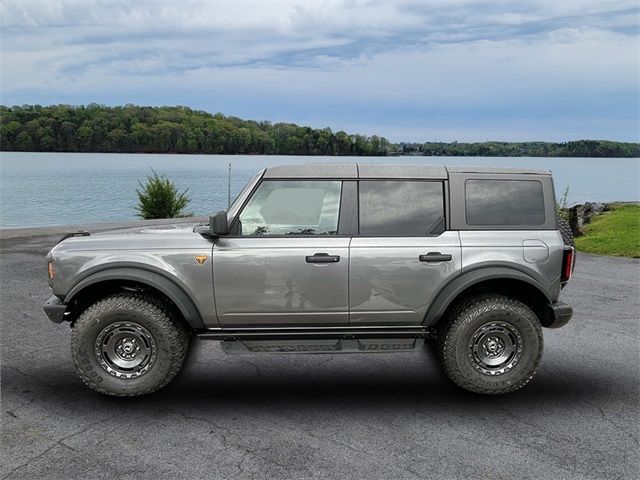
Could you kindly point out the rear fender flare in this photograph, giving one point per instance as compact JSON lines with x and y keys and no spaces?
{"x":457,"y":286}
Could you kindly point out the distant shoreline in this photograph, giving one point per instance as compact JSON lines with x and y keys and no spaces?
{"x":181,"y":130}
{"x":395,"y":155}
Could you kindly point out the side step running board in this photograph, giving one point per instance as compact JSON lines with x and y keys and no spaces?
{"x":320,"y":340}
{"x":371,"y":345}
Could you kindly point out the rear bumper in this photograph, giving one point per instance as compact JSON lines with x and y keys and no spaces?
{"x":558,"y":314}
{"x":55,"y":309}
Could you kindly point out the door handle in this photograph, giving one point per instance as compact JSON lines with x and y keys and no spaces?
{"x":435,"y":257}
{"x":322,"y":258}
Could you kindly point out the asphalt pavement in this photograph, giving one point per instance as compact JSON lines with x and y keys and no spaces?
{"x":387,"y":416}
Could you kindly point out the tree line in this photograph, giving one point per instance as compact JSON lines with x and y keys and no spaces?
{"x":136,"y":129}
{"x":577,"y":148}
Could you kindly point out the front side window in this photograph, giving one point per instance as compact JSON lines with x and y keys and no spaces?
{"x":401,"y":207}
{"x":288,"y":207}
{"x":504,"y":202}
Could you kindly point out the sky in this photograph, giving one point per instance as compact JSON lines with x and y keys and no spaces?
{"x":442,"y":70}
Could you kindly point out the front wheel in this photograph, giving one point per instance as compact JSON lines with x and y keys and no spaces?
{"x":490,"y":344}
{"x":128,"y":345}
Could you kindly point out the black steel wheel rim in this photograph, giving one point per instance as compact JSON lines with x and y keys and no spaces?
{"x":495,"y":348}
{"x":125,"y":349}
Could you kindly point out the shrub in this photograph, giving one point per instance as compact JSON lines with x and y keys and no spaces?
{"x":160,"y":198}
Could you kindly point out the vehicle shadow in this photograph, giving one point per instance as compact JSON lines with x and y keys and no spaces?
{"x":367,"y":391}
{"x":260,"y":383}
{"x":397,"y":381}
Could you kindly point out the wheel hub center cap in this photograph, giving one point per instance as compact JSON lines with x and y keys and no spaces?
{"x":128,"y":348}
{"x":493,"y":347}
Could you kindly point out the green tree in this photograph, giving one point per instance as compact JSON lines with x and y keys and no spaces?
{"x":24,"y":142}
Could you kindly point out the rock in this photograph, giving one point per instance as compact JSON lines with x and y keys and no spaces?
{"x":576,"y":218}
{"x":581,"y":214}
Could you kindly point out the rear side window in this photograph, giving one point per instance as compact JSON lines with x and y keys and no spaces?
{"x":399,"y":207}
{"x":504,"y":202}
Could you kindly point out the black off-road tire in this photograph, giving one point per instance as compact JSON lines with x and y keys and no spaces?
{"x":455,"y":340}
{"x":167,"y":336}
{"x":567,"y":233}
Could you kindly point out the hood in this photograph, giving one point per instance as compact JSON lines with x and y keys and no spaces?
{"x":168,"y":250}
{"x":148,"y":238}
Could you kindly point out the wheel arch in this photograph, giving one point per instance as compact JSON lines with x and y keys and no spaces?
{"x":499,"y":280}
{"x":104,"y":282}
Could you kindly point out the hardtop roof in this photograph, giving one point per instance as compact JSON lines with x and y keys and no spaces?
{"x":384,"y":171}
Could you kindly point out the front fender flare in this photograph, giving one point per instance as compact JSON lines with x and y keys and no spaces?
{"x":449,"y":293}
{"x":161,"y":283}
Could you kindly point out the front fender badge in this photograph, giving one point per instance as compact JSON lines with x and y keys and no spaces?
{"x":201,"y":259}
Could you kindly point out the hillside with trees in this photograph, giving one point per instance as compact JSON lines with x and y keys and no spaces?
{"x":135,"y":129}
{"x":578,"y":148}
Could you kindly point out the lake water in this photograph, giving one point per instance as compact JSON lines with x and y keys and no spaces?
{"x":38,"y":189}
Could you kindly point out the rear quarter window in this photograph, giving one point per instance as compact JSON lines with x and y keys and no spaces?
{"x":504,"y":202}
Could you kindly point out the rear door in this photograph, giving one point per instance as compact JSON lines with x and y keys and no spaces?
{"x":403,"y":254}
{"x":285,"y":264}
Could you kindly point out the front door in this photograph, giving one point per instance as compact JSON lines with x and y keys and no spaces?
{"x":403,"y":255}
{"x":284,"y":263}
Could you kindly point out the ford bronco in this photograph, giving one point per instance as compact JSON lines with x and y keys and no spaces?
{"x":359,"y":258}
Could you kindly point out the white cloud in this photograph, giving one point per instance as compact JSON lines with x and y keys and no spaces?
{"x":482,"y":58}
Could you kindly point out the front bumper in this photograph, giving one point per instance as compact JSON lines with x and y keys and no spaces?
{"x":558,"y":314}
{"x":55,"y":309}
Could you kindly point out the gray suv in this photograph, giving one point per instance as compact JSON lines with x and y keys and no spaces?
{"x":328,"y":259}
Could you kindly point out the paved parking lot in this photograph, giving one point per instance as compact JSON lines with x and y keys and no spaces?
{"x":320,"y":416}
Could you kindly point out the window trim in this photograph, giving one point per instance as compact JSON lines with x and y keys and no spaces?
{"x":445,"y":207}
{"x":510,"y":226}
{"x":233,"y":233}
{"x":254,"y":182}
{"x":348,"y":217}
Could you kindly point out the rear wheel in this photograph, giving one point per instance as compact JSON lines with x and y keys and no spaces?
{"x":127,"y":345}
{"x":490,"y":344}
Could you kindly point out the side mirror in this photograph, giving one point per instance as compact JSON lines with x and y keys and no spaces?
{"x":218,"y":225}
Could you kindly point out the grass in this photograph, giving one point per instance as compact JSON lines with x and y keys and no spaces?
{"x":616,"y":232}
